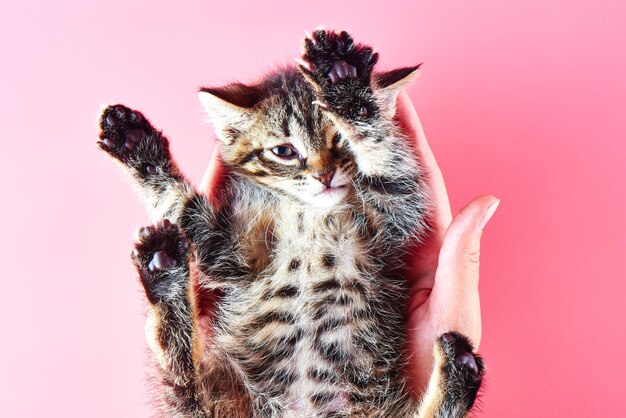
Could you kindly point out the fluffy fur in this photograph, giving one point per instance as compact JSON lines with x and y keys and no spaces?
{"x":303,"y":242}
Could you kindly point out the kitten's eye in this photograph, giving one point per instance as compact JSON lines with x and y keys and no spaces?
{"x":286,"y":151}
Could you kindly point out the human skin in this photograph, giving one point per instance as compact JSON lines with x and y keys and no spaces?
{"x":443,"y":269}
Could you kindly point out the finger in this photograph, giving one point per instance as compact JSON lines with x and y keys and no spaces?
{"x":455,"y":293}
{"x":411,"y":126}
{"x":213,"y":175}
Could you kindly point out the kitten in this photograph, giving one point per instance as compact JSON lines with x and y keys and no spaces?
{"x":303,"y":241}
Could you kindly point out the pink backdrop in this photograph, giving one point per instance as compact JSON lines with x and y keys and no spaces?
{"x":525,"y":100}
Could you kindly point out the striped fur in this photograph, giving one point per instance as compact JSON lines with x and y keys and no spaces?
{"x":310,"y":318}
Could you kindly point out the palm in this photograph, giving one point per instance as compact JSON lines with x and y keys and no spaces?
{"x":443,"y":295}
{"x":436,"y":305}
{"x":424,"y":315}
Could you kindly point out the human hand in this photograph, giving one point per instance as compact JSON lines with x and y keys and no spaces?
{"x":443,"y":269}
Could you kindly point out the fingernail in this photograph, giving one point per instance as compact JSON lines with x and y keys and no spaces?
{"x":488,"y":214}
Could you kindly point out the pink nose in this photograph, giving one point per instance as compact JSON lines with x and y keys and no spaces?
{"x":325,"y":178}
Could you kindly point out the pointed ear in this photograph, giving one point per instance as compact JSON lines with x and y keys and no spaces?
{"x":388,"y":85}
{"x":229,"y":107}
{"x":396,"y":79}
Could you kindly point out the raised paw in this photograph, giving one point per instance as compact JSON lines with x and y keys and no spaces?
{"x":334,"y":57}
{"x":340,"y":70}
{"x":128,"y":136}
{"x":161,"y":256}
{"x":461,"y":370}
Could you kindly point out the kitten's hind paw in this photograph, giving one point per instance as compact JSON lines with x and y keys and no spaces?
{"x":127,"y":135}
{"x":161,"y":256}
{"x":461,"y":370}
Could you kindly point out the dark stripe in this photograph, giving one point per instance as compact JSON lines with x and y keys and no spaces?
{"x":299,"y":119}
{"x":290,"y":339}
{"x":331,"y":351}
{"x":333,"y":299}
{"x":288,"y":110}
{"x":322,"y":376}
{"x":330,"y":325}
{"x":288,"y":291}
{"x":320,"y":311}
{"x":386,"y":185}
{"x":248,"y":157}
{"x":294,"y":264}
{"x":278,"y":168}
{"x":285,"y":126}
{"x":329,"y":260}
{"x":330,"y":284}
{"x":284,"y":377}
{"x":270,"y":317}
{"x":280,"y":354}
{"x":322,"y":398}
{"x":343,"y":300}
{"x":300,"y":221}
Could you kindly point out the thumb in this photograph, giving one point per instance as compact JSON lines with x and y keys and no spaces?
{"x":455,"y":298}
{"x":213,"y":175}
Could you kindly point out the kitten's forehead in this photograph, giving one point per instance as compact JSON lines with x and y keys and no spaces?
{"x":292,"y":114}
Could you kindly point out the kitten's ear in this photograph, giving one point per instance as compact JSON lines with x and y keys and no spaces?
{"x":229,"y":107}
{"x":389,"y":84}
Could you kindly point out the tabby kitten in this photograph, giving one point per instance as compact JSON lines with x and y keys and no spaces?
{"x":303,"y":241}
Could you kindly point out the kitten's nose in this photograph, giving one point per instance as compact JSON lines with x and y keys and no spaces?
{"x":324,"y":178}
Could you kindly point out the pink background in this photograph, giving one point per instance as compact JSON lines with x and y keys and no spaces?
{"x":525,"y":100}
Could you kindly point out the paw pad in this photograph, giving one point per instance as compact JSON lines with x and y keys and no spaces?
{"x":160,"y":247}
{"x":336,"y":57}
{"x":341,"y":70}
{"x":467,"y":359}
{"x":161,"y":261}
{"x":160,"y":253}
{"x":122,"y":130}
{"x":457,"y":351}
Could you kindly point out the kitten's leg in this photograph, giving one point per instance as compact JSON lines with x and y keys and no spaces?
{"x":128,"y":137}
{"x":162,"y":259}
{"x":456,"y":379}
{"x":388,"y":179}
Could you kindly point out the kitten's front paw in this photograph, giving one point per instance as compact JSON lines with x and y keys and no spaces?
{"x":340,"y":70}
{"x":128,"y":136}
{"x":461,"y":370}
{"x":161,"y":256}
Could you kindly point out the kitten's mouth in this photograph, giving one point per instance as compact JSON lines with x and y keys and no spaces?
{"x":331,"y":190}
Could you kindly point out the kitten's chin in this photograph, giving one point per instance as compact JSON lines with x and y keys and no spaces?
{"x":327,"y":198}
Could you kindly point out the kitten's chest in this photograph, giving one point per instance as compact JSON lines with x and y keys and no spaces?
{"x":310,"y":311}
{"x":307,"y":247}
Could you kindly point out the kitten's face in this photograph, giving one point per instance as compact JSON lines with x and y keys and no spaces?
{"x":276,"y":135}
{"x":294,"y":150}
